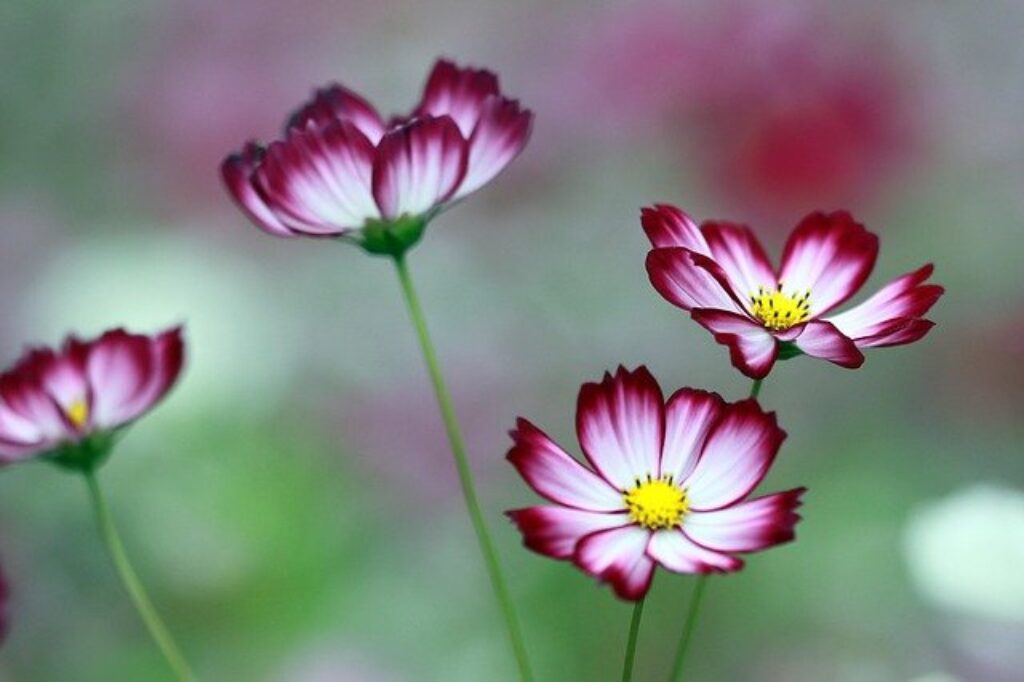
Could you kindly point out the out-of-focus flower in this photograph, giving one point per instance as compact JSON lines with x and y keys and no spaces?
{"x":342,"y":171}
{"x":667,"y":486}
{"x":67,"y":404}
{"x":720,"y":273}
{"x":778,"y":104}
{"x":965,"y":552}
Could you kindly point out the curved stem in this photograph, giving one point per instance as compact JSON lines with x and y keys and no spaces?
{"x":634,"y":630}
{"x":465,"y":475}
{"x":157,"y":630}
{"x":691,"y":621}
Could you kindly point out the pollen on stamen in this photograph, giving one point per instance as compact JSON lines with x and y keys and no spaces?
{"x":656,"y":503}
{"x":77,"y":413}
{"x":777,"y":310}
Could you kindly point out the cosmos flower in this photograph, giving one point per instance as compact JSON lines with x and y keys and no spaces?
{"x":720,"y":273}
{"x":343,"y":171}
{"x":805,"y":105}
{"x":68,"y":404}
{"x":667,"y":485}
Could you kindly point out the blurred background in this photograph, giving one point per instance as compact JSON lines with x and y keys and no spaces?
{"x":292,"y":505}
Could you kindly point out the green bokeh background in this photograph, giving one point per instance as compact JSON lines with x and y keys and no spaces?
{"x":292,"y":505}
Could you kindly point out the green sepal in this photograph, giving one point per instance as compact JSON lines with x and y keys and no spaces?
{"x":392,"y":238}
{"x":788,"y":350}
{"x":86,"y":455}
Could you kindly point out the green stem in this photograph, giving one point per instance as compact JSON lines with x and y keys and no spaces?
{"x":634,"y":630}
{"x":130,"y":579}
{"x":755,"y":388}
{"x":465,"y":475}
{"x":688,"y":627}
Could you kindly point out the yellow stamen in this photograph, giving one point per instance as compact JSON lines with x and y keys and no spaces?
{"x":77,"y":413}
{"x":656,"y":503}
{"x":778,"y":311}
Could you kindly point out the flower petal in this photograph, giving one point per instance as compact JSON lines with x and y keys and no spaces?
{"x":618,"y":556}
{"x":676,"y":552}
{"x":897,"y":333}
{"x":60,"y":375}
{"x":888,"y":317}
{"x":555,"y":531}
{"x":666,"y":225}
{"x":336,"y":102}
{"x":237,"y":171}
{"x":752,"y":348}
{"x":621,"y":425}
{"x":554,"y":474}
{"x":829,"y":254}
{"x":820,"y":339}
{"x":129,"y":373}
{"x":460,"y":93}
{"x":738,"y":452}
{"x":418,"y":167}
{"x":740,"y":256}
{"x":749,"y":526}
{"x":317,"y":180}
{"x":19,"y":437}
{"x":500,"y":134}
{"x":689,"y":416}
{"x":676,"y":275}
{"x":31,"y":415}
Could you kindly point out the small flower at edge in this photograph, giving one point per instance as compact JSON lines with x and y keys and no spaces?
{"x":342,"y":171}
{"x":667,"y":485}
{"x":720,"y":274}
{"x":68,"y":405}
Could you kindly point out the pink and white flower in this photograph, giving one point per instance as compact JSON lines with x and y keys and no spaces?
{"x":666,"y":484}
{"x":341,"y":168}
{"x":65,"y":403}
{"x":720,"y":274}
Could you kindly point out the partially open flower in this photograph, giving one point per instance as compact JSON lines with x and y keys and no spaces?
{"x":341,"y":170}
{"x":667,"y":486}
{"x":68,"y":404}
{"x":720,"y":273}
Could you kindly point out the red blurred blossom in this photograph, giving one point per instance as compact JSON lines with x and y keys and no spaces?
{"x":54,"y":398}
{"x":666,"y":485}
{"x":341,"y":169}
{"x":780,"y":105}
{"x":720,"y":273}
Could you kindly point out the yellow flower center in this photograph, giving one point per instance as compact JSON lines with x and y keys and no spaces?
{"x":778,"y":311}
{"x":656,"y":503}
{"x":77,"y":413}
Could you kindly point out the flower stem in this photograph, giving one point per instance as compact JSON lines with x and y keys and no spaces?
{"x":157,"y":630}
{"x":691,"y":621}
{"x":755,"y":388}
{"x":634,"y":630}
{"x":465,"y":474}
